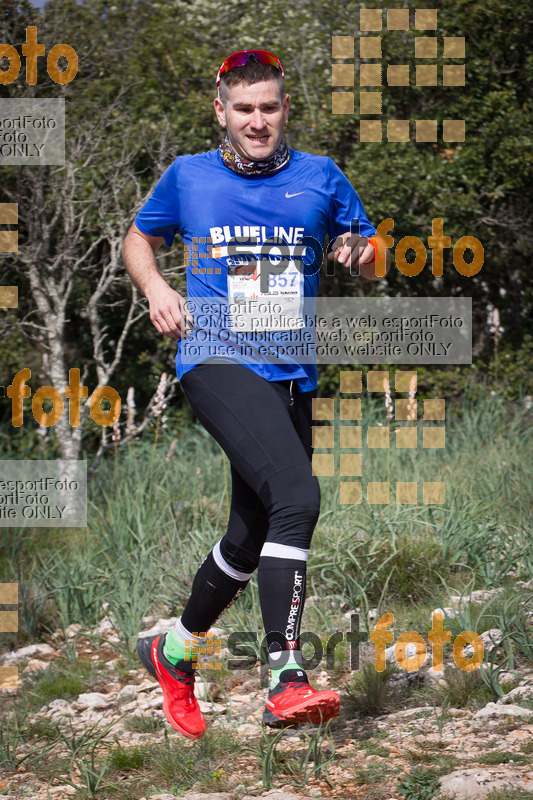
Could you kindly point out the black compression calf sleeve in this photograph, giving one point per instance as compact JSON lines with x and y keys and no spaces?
{"x":282,"y":595}
{"x":212,"y":592}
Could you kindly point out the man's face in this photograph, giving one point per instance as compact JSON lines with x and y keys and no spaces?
{"x":254,"y":117}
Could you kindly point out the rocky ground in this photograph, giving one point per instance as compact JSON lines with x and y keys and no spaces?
{"x":371,"y":755}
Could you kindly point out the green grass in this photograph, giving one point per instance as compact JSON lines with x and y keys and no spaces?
{"x":374,"y":774}
{"x":138,"y":724}
{"x":404,"y":560}
{"x":182,"y":764}
{"x":392,"y":557}
{"x":129,"y":758}
{"x":462,"y":690}
{"x":420,"y":784}
{"x":64,"y":680}
{"x":501,"y":757}
{"x":376,"y":749}
{"x":369,"y":692}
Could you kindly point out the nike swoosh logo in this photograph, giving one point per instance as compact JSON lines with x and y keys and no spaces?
{"x":293,"y":195}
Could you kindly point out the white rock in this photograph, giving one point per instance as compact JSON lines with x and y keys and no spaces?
{"x":60,"y":716}
{"x":35,"y":664}
{"x":148,"y":685}
{"x":447,"y":612}
{"x":434,"y":674}
{"x":154,"y":702}
{"x":247,"y":729}
{"x":489,"y":638}
{"x":516,"y":694}
{"x":410,"y":651}
{"x":58,"y":703}
{"x":212,"y":708}
{"x":92,"y":700}
{"x":495,"y":710}
{"x":482,"y":595}
{"x":161,"y":626}
{"x":507,"y":677}
{"x":130,"y":690}
{"x":410,"y":712}
{"x":150,"y":619}
{"x":198,"y":796}
{"x":107,"y":625}
{"x":129,"y":707}
{"x":477,"y":596}
{"x":390,"y":654}
{"x":470,"y":784}
{"x":25,"y":653}
{"x":200,"y":690}
{"x":240,"y":698}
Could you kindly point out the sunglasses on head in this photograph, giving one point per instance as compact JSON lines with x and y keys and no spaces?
{"x":241,"y":58}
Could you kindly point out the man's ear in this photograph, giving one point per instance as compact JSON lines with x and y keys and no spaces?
{"x":219,"y":111}
{"x":286,"y":102}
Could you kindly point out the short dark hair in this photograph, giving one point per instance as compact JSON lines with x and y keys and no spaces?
{"x":251,"y":72}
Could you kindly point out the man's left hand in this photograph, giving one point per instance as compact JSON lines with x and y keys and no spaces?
{"x":354,"y":250}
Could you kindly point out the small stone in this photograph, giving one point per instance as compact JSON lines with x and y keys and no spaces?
{"x":35,"y":665}
{"x":59,"y":702}
{"x":130,"y":690}
{"x":212,"y":708}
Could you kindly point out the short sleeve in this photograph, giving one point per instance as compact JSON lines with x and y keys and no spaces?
{"x":160,"y":215}
{"x":345,"y":206}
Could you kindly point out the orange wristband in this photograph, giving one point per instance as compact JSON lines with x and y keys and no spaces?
{"x":374,"y":245}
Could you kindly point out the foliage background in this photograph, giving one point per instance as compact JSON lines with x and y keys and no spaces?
{"x":144,"y":94}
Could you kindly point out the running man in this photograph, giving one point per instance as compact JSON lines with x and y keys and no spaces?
{"x":258,"y":410}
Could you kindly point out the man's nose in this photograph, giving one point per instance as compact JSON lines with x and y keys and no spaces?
{"x":257,"y":120}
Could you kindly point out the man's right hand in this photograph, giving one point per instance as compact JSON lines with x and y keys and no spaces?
{"x":168,"y":311}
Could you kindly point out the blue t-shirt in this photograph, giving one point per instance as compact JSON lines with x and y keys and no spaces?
{"x":209,"y":204}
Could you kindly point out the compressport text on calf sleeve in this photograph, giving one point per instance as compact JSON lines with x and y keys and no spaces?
{"x":282,"y":582}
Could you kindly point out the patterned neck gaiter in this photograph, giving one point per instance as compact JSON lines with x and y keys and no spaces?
{"x":242,"y":166}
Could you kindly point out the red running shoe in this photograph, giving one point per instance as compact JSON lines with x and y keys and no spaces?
{"x":180,"y":706}
{"x":294,"y":700}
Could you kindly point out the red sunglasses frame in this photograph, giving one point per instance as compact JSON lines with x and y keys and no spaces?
{"x":241,"y":58}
